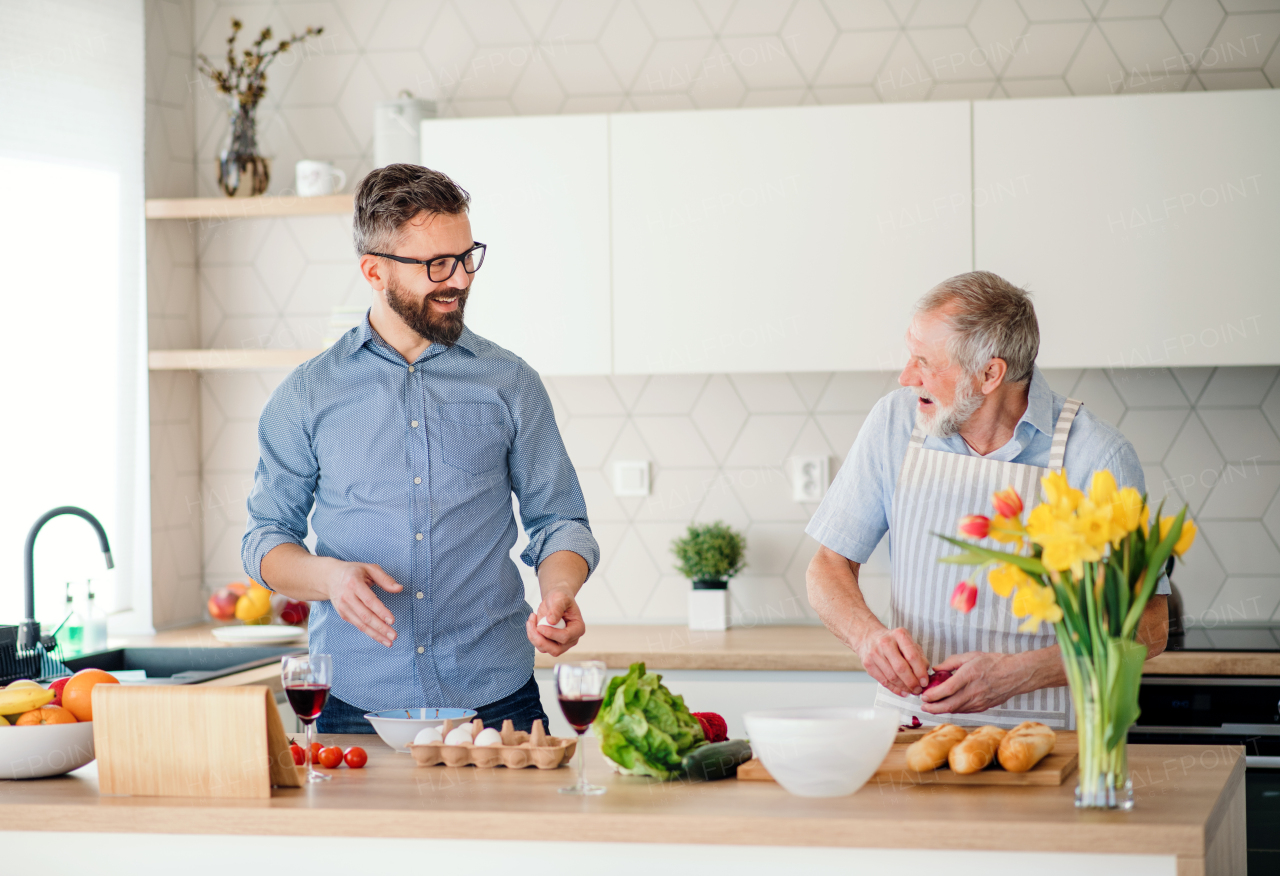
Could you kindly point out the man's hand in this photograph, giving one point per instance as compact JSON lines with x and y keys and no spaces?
{"x":894,"y":660}
{"x":350,"y":589}
{"x":979,"y":681}
{"x":555,"y":605}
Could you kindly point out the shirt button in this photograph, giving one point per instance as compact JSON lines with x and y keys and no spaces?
{"x":417,"y":480}
{"x":418,"y":536}
{"x":414,"y":424}
{"x":421,"y":649}
{"x":410,"y":369}
{"x":419,"y":594}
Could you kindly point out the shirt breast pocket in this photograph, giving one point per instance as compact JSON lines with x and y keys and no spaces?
{"x":473,"y":437}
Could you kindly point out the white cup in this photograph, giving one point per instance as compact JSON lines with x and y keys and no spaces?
{"x":315,"y":178}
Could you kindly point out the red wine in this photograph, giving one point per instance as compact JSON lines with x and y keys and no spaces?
{"x":307,"y":700}
{"x":580,"y":711}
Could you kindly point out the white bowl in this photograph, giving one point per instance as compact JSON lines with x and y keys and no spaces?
{"x":260,"y":634}
{"x":397,"y":727}
{"x":822,"y":752}
{"x":44,"y":750}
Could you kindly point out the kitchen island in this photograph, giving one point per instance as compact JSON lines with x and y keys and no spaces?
{"x":1188,"y":820}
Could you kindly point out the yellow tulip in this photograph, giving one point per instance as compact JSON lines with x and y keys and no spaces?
{"x":1007,"y":529}
{"x":1059,"y":493}
{"x":1185,"y":538}
{"x":1037,"y":604}
{"x":1127,"y":511}
{"x":1005,"y":577}
{"x":1102,"y":489}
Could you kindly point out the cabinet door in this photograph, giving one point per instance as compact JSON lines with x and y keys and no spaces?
{"x":540,"y":199}
{"x":1146,"y":226}
{"x":791,"y":239}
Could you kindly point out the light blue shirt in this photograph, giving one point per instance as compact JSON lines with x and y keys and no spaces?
{"x":412,"y":467}
{"x":855,"y":513}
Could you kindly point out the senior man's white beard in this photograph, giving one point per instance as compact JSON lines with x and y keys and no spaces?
{"x":947,"y":420}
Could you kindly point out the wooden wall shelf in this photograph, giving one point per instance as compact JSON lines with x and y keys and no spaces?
{"x":247,"y":208}
{"x":226,"y":360}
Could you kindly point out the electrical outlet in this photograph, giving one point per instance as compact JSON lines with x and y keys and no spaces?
{"x":631,"y":478}
{"x":809,"y":478}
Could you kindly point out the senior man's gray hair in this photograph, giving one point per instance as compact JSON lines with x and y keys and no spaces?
{"x":990,"y":319}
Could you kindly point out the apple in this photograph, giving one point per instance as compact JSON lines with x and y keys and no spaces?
{"x":57,"y":686}
{"x":222,"y":605}
{"x":295,"y":613}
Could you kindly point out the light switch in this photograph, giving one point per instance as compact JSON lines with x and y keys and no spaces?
{"x":809,"y":478}
{"x":631,"y":478}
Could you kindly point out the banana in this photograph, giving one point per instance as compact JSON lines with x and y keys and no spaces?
{"x":15,"y":701}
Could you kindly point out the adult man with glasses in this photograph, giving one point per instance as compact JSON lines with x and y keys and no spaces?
{"x":409,"y":436}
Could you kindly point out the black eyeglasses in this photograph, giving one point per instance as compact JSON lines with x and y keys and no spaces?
{"x":441,"y":268}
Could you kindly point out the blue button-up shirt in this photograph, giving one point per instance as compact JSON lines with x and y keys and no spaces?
{"x":855,"y":513}
{"x":411,"y":466}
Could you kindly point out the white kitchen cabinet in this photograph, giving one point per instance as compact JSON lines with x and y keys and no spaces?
{"x":540,"y":199}
{"x":793,"y":239}
{"x":1146,"y":226}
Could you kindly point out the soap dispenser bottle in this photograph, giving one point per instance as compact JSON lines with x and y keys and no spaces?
{"x":71,"y":636}
{"x":95,"y":625}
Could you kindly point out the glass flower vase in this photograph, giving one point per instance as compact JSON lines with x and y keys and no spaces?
{"x":242,"y":171}
{"x":1103,"y":770}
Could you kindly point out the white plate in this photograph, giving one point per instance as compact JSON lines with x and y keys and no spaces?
{"x":266,"y":634}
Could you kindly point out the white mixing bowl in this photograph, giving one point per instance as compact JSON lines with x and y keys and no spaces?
{"x":397,"y":727}
{"x":44,"y":750}
{"x":822,"y":752}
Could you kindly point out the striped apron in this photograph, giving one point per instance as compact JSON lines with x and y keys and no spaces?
{"x":934,"y":490}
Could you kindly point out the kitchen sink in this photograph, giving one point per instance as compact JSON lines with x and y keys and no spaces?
{"x":182,"y":665}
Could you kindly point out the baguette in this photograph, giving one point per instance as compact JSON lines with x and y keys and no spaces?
{"x":1025,"y":746}
{"x":930,"y":751}
{"x":976,"y":751}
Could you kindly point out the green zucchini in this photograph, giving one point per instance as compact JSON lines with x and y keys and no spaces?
{"x":719,"y":760}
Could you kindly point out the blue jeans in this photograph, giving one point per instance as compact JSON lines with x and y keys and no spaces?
{"x":523,"y":708}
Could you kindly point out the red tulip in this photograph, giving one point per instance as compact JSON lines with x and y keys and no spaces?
{"x":975,"y":525}
{"x":1007,"y":502}
{"x":964,"y":597}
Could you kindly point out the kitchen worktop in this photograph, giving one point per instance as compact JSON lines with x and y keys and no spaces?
{"x":762,"y":648}
{"x":1190,"y":803}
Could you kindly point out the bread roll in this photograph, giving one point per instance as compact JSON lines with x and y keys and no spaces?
{"x":1025,"y":746}
{"x":930,"y":751}
{"x":976,"y":751}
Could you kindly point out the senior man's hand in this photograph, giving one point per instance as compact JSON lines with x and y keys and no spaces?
{"x":556,"y":605}
{"x":979,"y":681}
{"x":894,"y":660}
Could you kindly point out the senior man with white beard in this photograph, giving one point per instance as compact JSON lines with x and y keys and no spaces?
{"x":975,"y":416}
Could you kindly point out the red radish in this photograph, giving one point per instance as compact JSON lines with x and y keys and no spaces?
{"x":714,"y":728}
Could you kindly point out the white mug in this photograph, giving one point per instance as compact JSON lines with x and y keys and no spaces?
{"x":316,"y":178}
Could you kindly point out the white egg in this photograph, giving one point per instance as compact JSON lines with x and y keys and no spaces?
{"x":488,"y":736}
{"x":459,"y":735}
{"x":558,"y":625}
{"x":428,"y":735}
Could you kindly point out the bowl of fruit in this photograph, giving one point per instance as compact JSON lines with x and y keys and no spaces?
{"x":266,"y":618}
{"x":48,"y":730}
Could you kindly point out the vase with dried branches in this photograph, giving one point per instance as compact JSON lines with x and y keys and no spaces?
{"x":242,"y":171}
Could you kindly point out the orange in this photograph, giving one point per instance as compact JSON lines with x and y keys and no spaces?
{"x":77,"y":696}
{"x":45,"y":715}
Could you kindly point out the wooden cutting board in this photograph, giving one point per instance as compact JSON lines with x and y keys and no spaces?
{"x":1051,"y":771}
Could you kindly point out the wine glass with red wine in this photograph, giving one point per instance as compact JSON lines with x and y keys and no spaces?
{"x":306,"y":683}
{"x":580,"y":687}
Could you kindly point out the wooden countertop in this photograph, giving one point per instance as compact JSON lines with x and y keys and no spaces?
{"x":1186,"y":798}
{"x":796,"y":648}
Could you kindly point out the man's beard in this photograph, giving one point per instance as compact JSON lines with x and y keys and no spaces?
{"x":441,"y":328}
{"x":947,"y":420}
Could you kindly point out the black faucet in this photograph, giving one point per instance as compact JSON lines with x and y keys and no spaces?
{"x":29,"y":631}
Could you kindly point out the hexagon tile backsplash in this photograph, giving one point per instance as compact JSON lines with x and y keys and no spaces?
{"x":718,"y":443}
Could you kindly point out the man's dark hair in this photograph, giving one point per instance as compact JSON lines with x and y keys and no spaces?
{"x":390,"y":196}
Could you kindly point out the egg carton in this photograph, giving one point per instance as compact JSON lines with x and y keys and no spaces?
{"x":517,"y":751}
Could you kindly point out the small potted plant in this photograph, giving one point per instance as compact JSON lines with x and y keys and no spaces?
{"x":709,"y":556}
